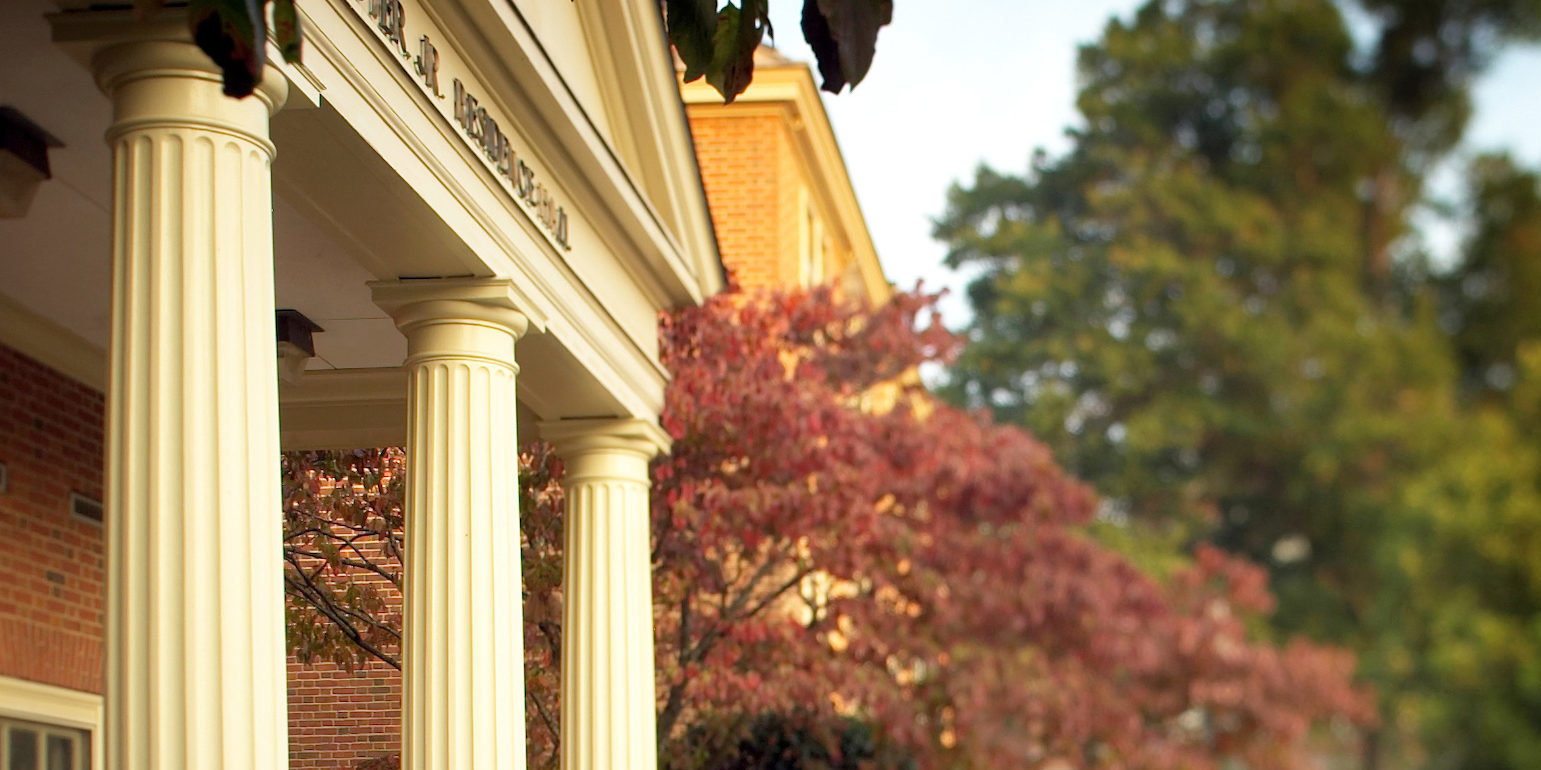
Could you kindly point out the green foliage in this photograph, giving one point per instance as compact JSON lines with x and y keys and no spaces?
{"x":286,"y":30}
{"x":843,"y":35}
{"x":1490,"y":299}
{"x":1427,"y":53}
{"x":719,"y":44}
{"x":1204,"y":307}
{"x":738,"y":34}
{"x":693,"y":28}
{"x":1463,"y":615}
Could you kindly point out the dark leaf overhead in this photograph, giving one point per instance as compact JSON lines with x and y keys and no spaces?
{"x":234,"y":34}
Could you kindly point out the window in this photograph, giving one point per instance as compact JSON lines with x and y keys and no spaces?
{"x":36,"y":746}
{"x":44,"y":727}
{"x":810,"y":244}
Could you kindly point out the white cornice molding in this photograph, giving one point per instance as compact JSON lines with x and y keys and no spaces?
{"x":643,"y":436}
{"x":53,"y":345}
{"x":503,"y":52}
{"x":343,"y":409}
{"x":24,"y":699}
{"x":638,"y":76}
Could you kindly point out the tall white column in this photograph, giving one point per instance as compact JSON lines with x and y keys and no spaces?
{"x":608,"y":692}
{"x":463,"y":650}
{"x":195,"y":624}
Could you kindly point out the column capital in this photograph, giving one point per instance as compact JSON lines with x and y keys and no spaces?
{"x":475,"y":317}
{"x":573,"y":437}
{"x":121,"y":48}
{"x":417,"y":300}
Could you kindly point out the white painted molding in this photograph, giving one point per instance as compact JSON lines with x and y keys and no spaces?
{"x":23,"y":699}
{"x":38,"y":702}
{"x":651,"y":127}
{"x":588,"y":434}
{"x":53,"y":345}
{"x":344,"y":409}
{"x":580,"y":308}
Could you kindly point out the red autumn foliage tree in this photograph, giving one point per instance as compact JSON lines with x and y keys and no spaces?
{"x":915,"y":569}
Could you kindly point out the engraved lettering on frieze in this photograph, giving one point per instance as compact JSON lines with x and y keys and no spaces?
{"x":427,"y":65}
{"x":475,"y":122}
{"x":391,"y":18}
{"x":482,"y":129}
{"x":524,"y":181}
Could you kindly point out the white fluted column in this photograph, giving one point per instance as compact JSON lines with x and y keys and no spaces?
{"x":608,"y":694}
{"x":463,"y":646}
{"x":195,"y":624}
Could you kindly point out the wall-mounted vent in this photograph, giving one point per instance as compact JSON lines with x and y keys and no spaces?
{"x":86,"y":508}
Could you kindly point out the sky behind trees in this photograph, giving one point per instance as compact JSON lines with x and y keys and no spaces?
{"x":954,"y":85}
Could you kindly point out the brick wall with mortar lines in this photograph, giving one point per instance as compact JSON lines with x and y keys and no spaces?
{"x":338,"y":718}
{"x":753,"y":184}
{"x":51,"y":562}
{"x":52,"y":570}
{"x":742,"y":163}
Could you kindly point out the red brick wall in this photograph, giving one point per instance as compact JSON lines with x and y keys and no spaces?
{"x":51,"y":562}
{"x":337,"y":719}
{"x":744,"y":163}
{"x":52,"y":565}
{"x":753,"y":179}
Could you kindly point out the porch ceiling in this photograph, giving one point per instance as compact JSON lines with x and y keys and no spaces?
{"x":56,"y":261}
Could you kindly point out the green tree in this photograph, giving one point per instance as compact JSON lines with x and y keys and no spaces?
{"x":1463,"y":633}
{"x":1490,"y":306}
{"x":1459,"y":619}
{"x":1209,"y":307}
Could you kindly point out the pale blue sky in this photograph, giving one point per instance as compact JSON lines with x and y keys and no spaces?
{"x":956,"y":84}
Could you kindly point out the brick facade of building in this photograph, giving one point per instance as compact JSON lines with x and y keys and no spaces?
{"x":51,"y":561}
{"x":743,"y":167}
{"x":337,"y":718}
{"x":762,"y":201}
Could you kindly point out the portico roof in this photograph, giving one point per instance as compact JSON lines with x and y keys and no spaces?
{"x":374,"y":180}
